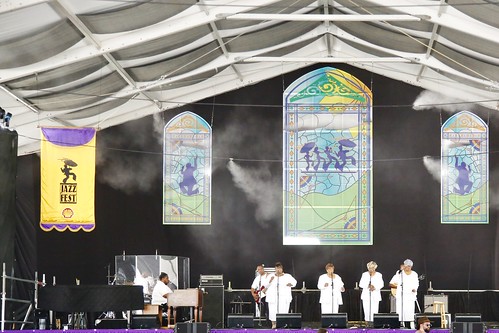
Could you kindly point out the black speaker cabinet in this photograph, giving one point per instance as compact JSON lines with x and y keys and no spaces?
{"x":192,"y":327}
{"x":237,"y":320}
{"x":334,"y":320}
{"x":213,"y":306}
{"x":436,"y":319}
{"x":476,"y":327}
{"x":458,"y":327}
{"x":467,"y":327}
{"x":288,"y":320}
{"x":144,"y":321}
{"x":112,"y":324}
{"x":386,"y":320}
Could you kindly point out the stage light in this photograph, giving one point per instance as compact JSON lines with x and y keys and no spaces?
{"x":7,"y":119}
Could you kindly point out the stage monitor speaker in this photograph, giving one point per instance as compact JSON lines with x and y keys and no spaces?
{"x":436,"y":319}
{"x":237,"y":320}
{"x":288,"y":320}
{"x":386,"y":320}
{"x":459,"y":327}
{"x":192,"y":327}
{"x":468,"y":317}
{"x":476,"y":328}
{"x":334,"y":320}
{"x":111,"y":324}
{"x":145,"y":321}
{"x":468,"y":327}
{"x":213,"y":306}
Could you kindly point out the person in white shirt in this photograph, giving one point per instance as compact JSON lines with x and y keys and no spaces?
{"x":278,"y":291}
{"x":407,"y":282}
{"x":331,"y":286}
{"x":259,"y":283}
{"x":371,"y":283}
{"x":161,"y":290}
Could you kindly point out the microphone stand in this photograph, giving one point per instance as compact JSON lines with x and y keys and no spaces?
{"x":260,"y":301}
{"x":370,"y":299}
{"x":402,"y":297}
{"x":277,"y":295}
{"x":332,"y":294}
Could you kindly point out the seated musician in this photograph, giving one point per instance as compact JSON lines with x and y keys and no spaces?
{"x":160,"y":290}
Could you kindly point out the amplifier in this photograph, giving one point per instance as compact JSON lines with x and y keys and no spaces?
{"x":211,"y":280}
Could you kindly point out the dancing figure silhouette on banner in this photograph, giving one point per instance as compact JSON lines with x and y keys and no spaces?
{"x":463,"y":178}
{"x":189,"y":181}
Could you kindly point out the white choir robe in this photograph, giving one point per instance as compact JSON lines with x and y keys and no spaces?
{"x":279,"y":294}
{"x":371,"y":299}
{"x":260,"y":282}
{"x":406,"y":301}
{"x":328,"y":303}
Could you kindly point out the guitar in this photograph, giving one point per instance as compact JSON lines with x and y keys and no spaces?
{"x":257,"y":295}
{"x":394,"y":289}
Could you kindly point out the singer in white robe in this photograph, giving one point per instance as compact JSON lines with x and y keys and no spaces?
{"x":278,"y":291}
{"x":371,"y":283}
{"x":331,"y":286}
{"x":407,"y":282}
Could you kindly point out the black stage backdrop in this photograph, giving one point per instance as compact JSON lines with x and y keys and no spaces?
{"x":247,"y":125}
{"x":8,"y":161}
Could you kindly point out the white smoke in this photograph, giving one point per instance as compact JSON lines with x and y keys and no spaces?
{"x":158,"y":126}
{"x":433,"y":166}
{"x":136,"y":168}
{"x":260,"y":189}
{"x":429,"y":100}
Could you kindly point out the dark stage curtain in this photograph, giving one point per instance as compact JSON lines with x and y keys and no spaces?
{"x":25,"y":262}
{"x":17,"y":225}
{"x":8,"y":164}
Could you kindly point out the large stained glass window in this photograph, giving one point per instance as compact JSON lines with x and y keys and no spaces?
{"x":465,"y":169}
{"x":187,"y":170}
{"x":327,"y":180}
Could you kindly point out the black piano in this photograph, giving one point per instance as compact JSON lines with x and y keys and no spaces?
{"x":90,"y":299}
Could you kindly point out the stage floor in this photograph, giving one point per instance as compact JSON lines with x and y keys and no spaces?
{"x":247,"y":330}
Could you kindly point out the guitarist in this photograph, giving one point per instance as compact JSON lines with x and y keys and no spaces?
{"x":257,"y":287}
{"x":407,"y":282}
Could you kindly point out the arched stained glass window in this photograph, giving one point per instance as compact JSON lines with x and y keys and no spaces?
{"x":465,"y":169}
{"x":187,"y":170}
{"x":327,"y":176}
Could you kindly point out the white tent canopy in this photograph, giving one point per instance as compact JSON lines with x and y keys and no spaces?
{"x":101,"y":63}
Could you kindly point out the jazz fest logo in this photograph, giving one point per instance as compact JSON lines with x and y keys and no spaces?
{"x":68,"y":191}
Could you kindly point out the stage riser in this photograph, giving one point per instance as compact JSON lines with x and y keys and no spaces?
{"x":303,"y":330}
